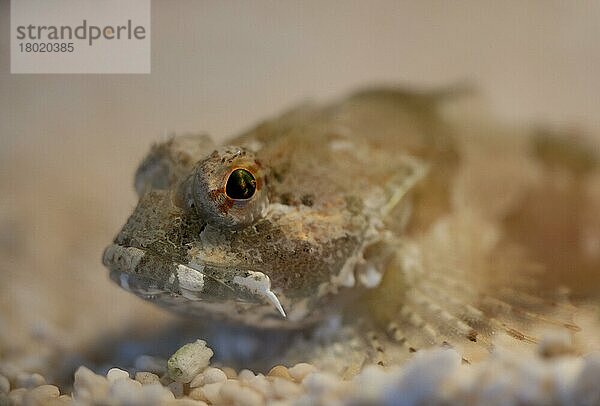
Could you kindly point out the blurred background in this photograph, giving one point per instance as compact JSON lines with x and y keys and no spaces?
{"x":69,"y":144}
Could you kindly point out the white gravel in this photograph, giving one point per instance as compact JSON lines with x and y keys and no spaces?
{"x":432,"y":377}
{"x":4,"y":384}
{"x":115,"y":373}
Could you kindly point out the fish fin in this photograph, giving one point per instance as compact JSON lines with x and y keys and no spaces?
{"x":464,"y":292}
{"x":418,"y":99}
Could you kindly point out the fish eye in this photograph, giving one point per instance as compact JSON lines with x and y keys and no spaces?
{"x":226,"y":189}
{"x":241,"y":184}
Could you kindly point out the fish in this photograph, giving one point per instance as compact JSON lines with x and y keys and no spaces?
{"x":380,"y":216}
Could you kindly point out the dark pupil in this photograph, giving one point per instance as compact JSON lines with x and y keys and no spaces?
{"x":240,"y":184}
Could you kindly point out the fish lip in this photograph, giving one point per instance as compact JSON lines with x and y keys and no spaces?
{"x":191,"y":281}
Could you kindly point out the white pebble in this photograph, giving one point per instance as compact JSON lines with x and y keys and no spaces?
{"x":40,"y":395}
{"x":186,"y":402}
{"x":148,"y":363}
{"x":25,"y":380}
{"x":116,"y":373}
{"x":233,"y":392}
{"x":197,"y":394}
{"x":424,"y":375}
{"x":16,"y":396}
{"x":321,"y":382}
{"x":213,"y":375}
{"x":9,"y":370}
{"x":4,"y":384}
{"x":230,"y":372}
{"x":146,"y":378}
{"x":198,"y":381}
{"x":280,"y":402}
{"x":210,"y":375}
{"x":154,"y":393}
{"x":586,"y":389}
{"x":126,"y":391}
{"x":245,"y":374}
{"x":299,"y":371}
{"x":189,"y":361}
{"x":285,"y":388}
{"x":89,"y":387}
{"x":368,"y":385}
{"x":212,"y":392}
{"x":261,"y":385}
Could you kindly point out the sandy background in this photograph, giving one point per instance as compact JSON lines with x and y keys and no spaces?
{"x":69,"y":143}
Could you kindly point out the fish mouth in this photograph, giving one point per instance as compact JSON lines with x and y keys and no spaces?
{"x":195,"y":288}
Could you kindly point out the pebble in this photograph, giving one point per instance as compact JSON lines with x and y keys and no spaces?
{"x":165,"y":380}
{"x":15,"y":396}
{"x":210,"y":375}
{"x":230,"y":372}
{"x":25,"y":380}
{"x":212,"y":391}
{"x":146,"y":378}
{"x":541,"y":377}
{"x":321,"y":382}
{"x":214,"y":375}
{"x":299,"y":371}
{"x":232,"y":391}
{"x":198,"y":381}
{"x":57,"y":402}
{"x":586,"y":390}
{"x":245,"y":374}
{"x":176,"y":388}
{"x":285,"y":388}
{"x":279,"y":402}
{"x":281,"y":372}
{"x":89,"y":387}
{"x":186,"y":402}
{"x":197,"y":394}
{"x":148,"y":363}
{"x":4,"y":384}
{"x":125,"y":391}
{"x":40,"y":395}
{"x":115,"y":374}
{"x":189,"y":361}
{"x":62,"y":400}
{"x":154,"y":393}
{"x":9,"y":370}
{"x":261,"y":385}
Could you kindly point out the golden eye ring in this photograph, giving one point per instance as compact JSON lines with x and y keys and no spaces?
{"x":227,"y":188}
